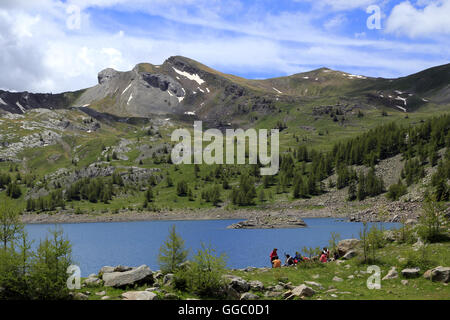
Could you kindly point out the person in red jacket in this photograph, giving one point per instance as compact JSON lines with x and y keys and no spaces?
{"x":274,"y":255}
{"x":323,"y":258}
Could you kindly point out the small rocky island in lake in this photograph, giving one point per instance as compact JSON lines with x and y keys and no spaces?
{"x":270,"y":222}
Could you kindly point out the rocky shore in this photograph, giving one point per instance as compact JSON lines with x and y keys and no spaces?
{"x":269,"y":221}
{"x":279,"y":214}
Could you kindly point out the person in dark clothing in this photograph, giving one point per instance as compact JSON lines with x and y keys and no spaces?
{"x":289,"y":260}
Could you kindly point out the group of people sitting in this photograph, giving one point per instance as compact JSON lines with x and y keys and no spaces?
{"x":294,"y":260}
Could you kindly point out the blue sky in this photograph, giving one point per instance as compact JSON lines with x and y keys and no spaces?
{"x":53,"y":46}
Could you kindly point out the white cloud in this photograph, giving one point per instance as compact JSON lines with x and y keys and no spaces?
{"x":39,"y":53}
{"x":430,"y":21}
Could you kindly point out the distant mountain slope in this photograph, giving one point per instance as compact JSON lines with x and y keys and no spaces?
{"x":186,"y":87}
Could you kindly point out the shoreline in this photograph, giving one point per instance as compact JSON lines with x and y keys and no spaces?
{"x":187,"y":215}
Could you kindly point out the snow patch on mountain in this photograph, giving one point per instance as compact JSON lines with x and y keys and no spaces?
{"x":194,"y":77}
{"x":277,"y":90}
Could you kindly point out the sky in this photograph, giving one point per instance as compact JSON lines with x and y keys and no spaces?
{"x":56,"y":46}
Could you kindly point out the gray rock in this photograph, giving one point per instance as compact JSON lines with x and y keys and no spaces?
{"x":337,"y":279}
{"x":346,"y":245}
{"x":140,"y":275}
{"x":256,"y":285}
{"x":139,"y":295}
{"x":349,"y":255}
{"x":106,"y":269}
{"x":314,"y":284}
{"x":273,"y":294}
{"x":237,"y":283}
{"x":91,"y":281}
{"x":438,"y":274}
{"x":411,"y":272}
{"x":303,"y":291}
{"x":392,"y":274}
{"x":249,"y":296}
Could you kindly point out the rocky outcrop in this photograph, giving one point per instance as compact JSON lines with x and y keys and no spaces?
{"x":346,"y":245}
{"x":438,"y":274}
{"x":270,"y":222}
{"x":139,"y":275}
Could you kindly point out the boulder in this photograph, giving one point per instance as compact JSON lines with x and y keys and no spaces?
{"x":238,"y":284}
{"x":392,"y":274}
{"x":256,"y":285}
{"x":249,"y":296}
{"x":273,"y":294}
{"x":346,"y":245}
{"x":314,"y":284}
{"x":121,"y":268}
{"x":438,"y":274}
{"x":140,"y":275}
{"x":337,"y":279}
{"x":92,"y":281}
{"x":350,"y":254}
{"x":139,"y":295}
{"x":303,"y":291}
{"x":230,"y":294}
{"x":411,"y":272}
{"x":106,"y":269}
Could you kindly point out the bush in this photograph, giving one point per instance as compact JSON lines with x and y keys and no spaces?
{"x":395,"y":191}
{"x":204,"y":274}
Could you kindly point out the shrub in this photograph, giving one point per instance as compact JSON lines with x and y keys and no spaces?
{"x":395,"y":191}
{"x":204,"y":274}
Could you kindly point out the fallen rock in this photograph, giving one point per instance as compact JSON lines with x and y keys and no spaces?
{"x":350,"y":254}
{"x":337,"y":279}
{"x":392,"y":274}
{"x":256,"y":285}
{"x":303,"y":291}
{"x":411,"y":272}
{"x":140,"y":275}
{"x":346,"y":245}
{"x":106,"y":269}
{"x":314,"y":284}
{"x":92,"y":281}
{"x":438,"y":274}
{"x":237,"y":283}
{"x":249,"y":296}
{"x":139,"y":295}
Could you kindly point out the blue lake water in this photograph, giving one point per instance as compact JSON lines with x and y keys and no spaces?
{"x":136,"y":243}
